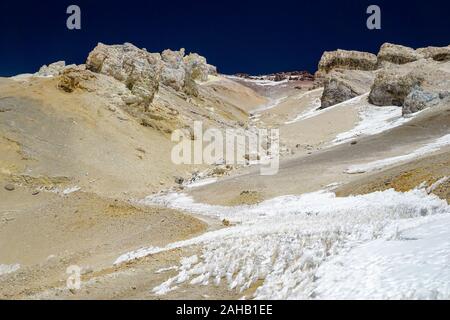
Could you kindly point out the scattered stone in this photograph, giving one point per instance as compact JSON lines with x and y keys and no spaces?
{"x":444,"y":95}
{"x":353,"y":143}
{"x":226,"y":222}
{"x":179,"y":180}
{"x":10,"y":187}
{"x":35,"y":193}
{"x":219,"y":171}
{"x":419,"y":99}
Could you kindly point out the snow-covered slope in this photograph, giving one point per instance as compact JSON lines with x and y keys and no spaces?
{"x":286,"y":241}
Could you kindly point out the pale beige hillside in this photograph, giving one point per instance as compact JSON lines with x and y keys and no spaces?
{"x":88,"y":140}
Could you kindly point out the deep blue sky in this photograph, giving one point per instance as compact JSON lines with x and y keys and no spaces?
{"x":237,"y":36}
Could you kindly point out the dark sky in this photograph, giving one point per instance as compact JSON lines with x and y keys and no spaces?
{"x":237,"y":36}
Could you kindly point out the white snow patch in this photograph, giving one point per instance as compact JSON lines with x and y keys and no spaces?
{"x":162,"y":270}
{"x":284,"y":241}
{"x":71,"y":190}
{"x":60,"y":191}
{"x":374,"y":120}
{"x":307,"y":93}
{"x":308,"y":113}
{"x":314,"y":110}
{"x":271,"y":104}
{"x":201,"y":182}
{"x":379,"y":164}
{"x":259,"y":82}
{"x":414,"y":265}
{"x":8,"y":268}
{"x":438,"y":183}
{"x":332,"y":186}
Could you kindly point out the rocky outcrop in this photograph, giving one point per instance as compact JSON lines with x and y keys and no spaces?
{"x":174,"y":73}
{"x":344,"y":59}
{"x":342,"y":85}
{"x":435,"y":53}
{"x":396,"y":54}
{"x":75,"y":78}
{"x":398,"y":75}
{"x":143,"y":72}
{"x":190,"y":87}
{"x":180,"y":71}
{"x":197,"y":67}
{"x":391,"y":88}
{"x":419,"y":99}
{"x":138,"y":69}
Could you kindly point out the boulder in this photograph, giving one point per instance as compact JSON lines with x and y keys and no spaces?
{"x":391,"y":88}
{"x":435,"y":53}
{"x":419,"y":99}
{"x":342,"y":85}
{"x":138,"y":69}
{"x":344,"y":59}
{"x":396,"y":54}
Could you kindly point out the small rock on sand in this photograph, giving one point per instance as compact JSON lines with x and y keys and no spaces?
{"x":10,"y":187}
{"x":179,"y":180}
